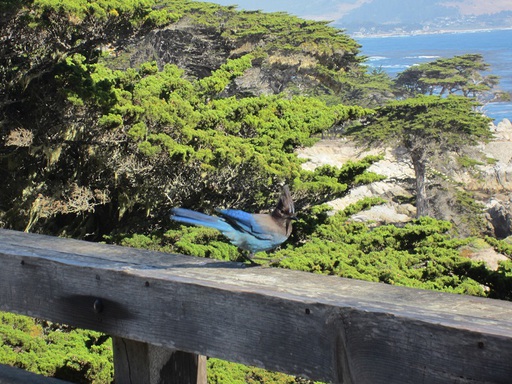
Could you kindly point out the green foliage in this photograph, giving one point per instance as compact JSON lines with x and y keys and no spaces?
{"x":111,"y":120}
{"x":459,"y":74}
{"x":44,"y":348}
{"x":223,"y":372}
{"x":138,"y":131}
{"x":421,"y":254}
{"x":500,"y":281}
{"x":468,"y":162}
{"x":141,"y":131}
{"x":447,"y":122}
{"x":358,"y":86}
{"x":426,"y":126}
{"x":138,"y":11}
{"x":469,"y":214}
{"x":323,"y":57}
{"x":279,"y":31}
{"x":329,"y":182}
{"x":361,"y":205}
{"x":501,"y":246}
{"x":203,"y":242}
{"x":220,"y":79}
{"x":42,"y":33}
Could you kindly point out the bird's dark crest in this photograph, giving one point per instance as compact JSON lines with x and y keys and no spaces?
{"x":285,"y":208}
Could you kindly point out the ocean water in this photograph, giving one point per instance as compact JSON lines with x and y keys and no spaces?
{"x":397,"y":53}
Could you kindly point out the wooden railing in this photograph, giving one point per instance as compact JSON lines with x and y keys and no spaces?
{"x":166,"y":312}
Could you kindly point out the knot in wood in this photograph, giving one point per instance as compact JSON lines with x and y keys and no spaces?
{"x":98,"y":306}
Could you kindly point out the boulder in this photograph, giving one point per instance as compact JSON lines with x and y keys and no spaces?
{"x":496,"y":178}
{"x":382,"y":214}
{"x":499,"y":215}
{"x":502,"y":131}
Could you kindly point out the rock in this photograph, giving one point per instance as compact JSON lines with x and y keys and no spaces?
{"x":502,"y":131}
{"x":499,"y":214}
{"x":496,"y":175}
{"x":392,"y":168}
{"x":406,"y":209}
{"x":338,"y":152}
{"x":489,"y":256}
{"x":381,"y":214}
{"x":496,"y":178}
{"x":333,"y":152}
{"x":253,"y":82}
{"x":501,"y":151}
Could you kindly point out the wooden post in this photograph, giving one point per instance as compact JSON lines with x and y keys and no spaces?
{"x":141,"y":363}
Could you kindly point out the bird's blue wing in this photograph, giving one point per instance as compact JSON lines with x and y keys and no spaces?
{"x":244,"y":221}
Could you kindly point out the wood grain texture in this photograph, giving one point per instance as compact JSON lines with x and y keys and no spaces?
{"x":322,"y":327}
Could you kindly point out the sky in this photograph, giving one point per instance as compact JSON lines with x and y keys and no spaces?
{"x":311,"y":9}
{"x":479,"y":7}
{"x":336,"y":9}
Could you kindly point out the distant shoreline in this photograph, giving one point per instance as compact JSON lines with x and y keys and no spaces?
{"x":421,"y":33}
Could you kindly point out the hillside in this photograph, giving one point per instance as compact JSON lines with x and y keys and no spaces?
{"x":396,"y":17}
{"x":372,"y":17}
{"x":129,"y":91}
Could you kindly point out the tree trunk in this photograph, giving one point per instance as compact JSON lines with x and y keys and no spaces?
{"x":419,"y":164}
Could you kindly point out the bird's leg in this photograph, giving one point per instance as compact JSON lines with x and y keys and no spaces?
{"x":249,"y":258}
{"x":275,"y":262}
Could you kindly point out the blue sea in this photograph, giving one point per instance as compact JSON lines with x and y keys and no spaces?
{"x":397,"y":53}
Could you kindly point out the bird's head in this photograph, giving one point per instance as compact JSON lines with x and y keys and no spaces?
{"x":285,"y":209}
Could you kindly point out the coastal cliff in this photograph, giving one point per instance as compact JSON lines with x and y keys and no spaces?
{"x":489,"y":180}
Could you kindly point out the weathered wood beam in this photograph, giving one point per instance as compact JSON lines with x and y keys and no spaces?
{"x":11,"y":375}
{"x":322,"y":327}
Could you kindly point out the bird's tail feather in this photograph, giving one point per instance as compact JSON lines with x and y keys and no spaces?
{"x":188,"y":216}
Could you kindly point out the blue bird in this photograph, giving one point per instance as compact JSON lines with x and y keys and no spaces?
{"x":253,"y":232}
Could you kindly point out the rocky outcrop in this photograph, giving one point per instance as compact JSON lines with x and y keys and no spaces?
{"x":395,"y":188}
{"x":492,"y":183}
{"x":503,"y":131}
{"x":497,"y":179}
{"x":499,"y":215}
{"x":497,"y":176}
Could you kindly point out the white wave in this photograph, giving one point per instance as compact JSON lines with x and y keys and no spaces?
{"x":395,"y":66}
{"x":423,"y":57}
{"x":376,"y":58}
